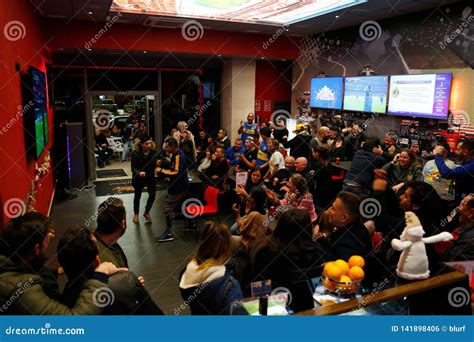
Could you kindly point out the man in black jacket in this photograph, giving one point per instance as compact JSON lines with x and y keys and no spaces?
{"x":350,"y":237}
{"x":299,"y":145}
{"x":361,"y":174}
{"x":179,"y":185}
{"x":144,"y":160}
{"x":78,"y":255}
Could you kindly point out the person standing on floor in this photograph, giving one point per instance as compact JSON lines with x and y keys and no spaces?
{"x":179,"y":186}
{"x":144,"y":161}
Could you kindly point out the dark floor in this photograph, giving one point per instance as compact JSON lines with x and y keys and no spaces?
{"x":159,"y":263}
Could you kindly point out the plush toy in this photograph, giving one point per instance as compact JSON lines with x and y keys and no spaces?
{"x":413,"y":263}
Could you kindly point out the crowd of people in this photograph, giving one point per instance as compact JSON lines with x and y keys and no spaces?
{"x":295,"y":212}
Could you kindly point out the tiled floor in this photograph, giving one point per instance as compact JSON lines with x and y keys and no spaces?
{"x":160,"y":264}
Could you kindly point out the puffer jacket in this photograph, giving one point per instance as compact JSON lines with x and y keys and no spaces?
{"x":21,"y":293}
{"x":210,"y":291}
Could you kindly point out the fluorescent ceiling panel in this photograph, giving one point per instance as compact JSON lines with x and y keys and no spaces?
{"x":270,"y":12}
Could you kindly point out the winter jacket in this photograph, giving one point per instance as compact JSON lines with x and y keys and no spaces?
{"x":21,"y":293}
{"x":350,"y":240}
{"x":111,"y":253}
{"x":362,"y":168}
{"x":396,"y":174}
{"x":209,"y":291}
{"x":142,"y":162}
{"x":299,"y":145}
{"x":178,"y":173}
{"x":463,"y":175}
{"x":130,"y":297}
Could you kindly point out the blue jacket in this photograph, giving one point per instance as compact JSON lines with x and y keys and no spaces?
{"x":362,"y":168}
{"x":178,"y":173}
{"x":214,"y":297}
{"x":230,"y":155}
{"x":463,"y":176}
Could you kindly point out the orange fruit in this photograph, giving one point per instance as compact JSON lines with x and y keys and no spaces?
{"x":332,"y":271}
{"x":342,"y":265}
{"x":356,"y":260}
{"x":356,"y":273}
{"x":345,"y":279}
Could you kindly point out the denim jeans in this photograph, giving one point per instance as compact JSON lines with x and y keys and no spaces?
{"x":126,"y":146}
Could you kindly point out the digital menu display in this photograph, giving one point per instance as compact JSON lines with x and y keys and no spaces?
{"x":420,"y":95}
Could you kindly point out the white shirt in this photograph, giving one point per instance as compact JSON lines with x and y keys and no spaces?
{"x":277,"y":159}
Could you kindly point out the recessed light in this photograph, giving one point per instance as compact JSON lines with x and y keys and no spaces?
{"x":219,"y":55}
{"x":262,"y":57}
{"x":337,"y":17}
{"x":145,"y":51}
{"x":90,"y":13}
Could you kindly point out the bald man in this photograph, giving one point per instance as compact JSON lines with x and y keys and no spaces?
{"x":281,"y":176}
{"x":301,"y":167}
{"x":322,"y":139}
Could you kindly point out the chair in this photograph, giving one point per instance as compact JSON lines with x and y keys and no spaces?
{"x":116,"y":145}
{"x":196,"y":211}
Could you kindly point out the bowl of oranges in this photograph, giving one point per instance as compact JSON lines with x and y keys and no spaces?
{"x":343,"y":277}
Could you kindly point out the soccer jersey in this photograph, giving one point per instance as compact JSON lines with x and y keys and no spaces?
{"x":263,"y":153}
{"x":249,"y":130}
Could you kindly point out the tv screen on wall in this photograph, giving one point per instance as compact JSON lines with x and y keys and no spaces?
{"x":326,"y":92}
{"x":425,"y":96}
{"x":366,"y":94}
{"x":37,"y":96}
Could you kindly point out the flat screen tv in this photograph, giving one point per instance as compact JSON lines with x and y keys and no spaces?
{"x":36,"y":114}
{"x":424,"y":96}
{"x":366,"y":94}
{"x":326,"y":92}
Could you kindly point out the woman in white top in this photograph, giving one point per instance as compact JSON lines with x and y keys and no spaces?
{"x":277,"y":161}
{"x":206,"y":161}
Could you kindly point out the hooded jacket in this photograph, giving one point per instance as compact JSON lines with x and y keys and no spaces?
{"x":209,"y":291}
{"x":21,"y":293}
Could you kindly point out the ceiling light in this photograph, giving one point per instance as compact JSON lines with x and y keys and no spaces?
{"x":337,"y":17}
{"x":145,"y":51}
{"x":90,"y":13}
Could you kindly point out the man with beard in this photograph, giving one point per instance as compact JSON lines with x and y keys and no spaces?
{"x":25,"y":241}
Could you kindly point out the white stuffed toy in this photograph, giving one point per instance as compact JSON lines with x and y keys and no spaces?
{"x":413,"y":263}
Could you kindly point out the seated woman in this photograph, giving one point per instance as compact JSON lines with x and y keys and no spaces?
{"x":254,"y":180}
{"x":286,"y":251}
{"x":207,"y":284}
{"x":297,"y":196}
{"x":206,"y":161}
{"x":253,"y":225}
{"x":403,"y":169}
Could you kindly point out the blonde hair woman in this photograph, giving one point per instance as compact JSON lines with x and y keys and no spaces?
{"x":207,"y":279}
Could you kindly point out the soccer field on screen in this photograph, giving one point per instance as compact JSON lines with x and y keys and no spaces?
{"x":357,"y":103}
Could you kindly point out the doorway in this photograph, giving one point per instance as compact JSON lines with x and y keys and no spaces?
{"x":114,"y":121}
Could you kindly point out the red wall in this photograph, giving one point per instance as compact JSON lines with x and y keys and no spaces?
{"x":272,"y":84}
{"x":134,"y":37}
{"x":16,"y":171}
